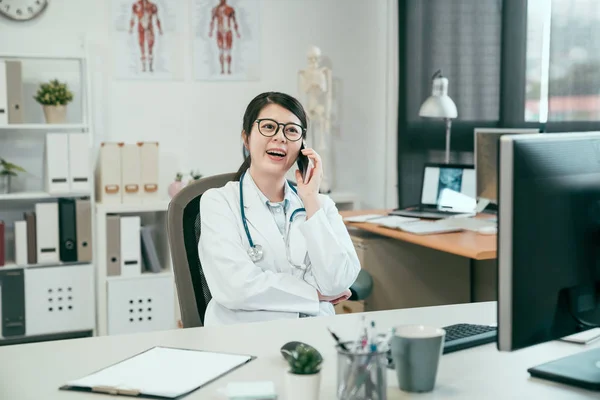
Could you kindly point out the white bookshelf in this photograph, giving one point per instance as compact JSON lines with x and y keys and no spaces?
{"x":113,"y":291}
{"x":24,"y":144}
{"x":12,"y":265}
{"x":144,"y":275}
{"x":132,"y":208}
{"x":34,"y":195}
{"x":43,"y":128}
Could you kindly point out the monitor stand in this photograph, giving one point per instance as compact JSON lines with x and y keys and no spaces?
{"x":580,"y":370}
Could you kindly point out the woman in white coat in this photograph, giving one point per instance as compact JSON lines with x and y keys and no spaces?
{"x":270,"y":250}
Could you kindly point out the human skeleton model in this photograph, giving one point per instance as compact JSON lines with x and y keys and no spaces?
{"x":315,"y":84}
{"x":145,"y":12}
{"x":225,"y":17}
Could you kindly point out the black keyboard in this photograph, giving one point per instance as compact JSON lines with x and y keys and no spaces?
{"x":464,"y":336}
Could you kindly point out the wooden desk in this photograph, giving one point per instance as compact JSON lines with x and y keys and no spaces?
{"x":446,"y":268}
{"x":465,"y":244}
{"x":36,"y":371}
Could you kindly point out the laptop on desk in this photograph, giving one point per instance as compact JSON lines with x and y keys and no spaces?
{"x":458,"y":178}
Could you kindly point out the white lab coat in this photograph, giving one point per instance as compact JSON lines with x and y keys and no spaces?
{"x":244,"y":291}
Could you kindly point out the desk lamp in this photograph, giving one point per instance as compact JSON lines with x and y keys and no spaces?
{"x":440,"y":105}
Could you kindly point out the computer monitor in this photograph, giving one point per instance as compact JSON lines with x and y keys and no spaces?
{"x":549,"y":246}
{"x":486,"y":159}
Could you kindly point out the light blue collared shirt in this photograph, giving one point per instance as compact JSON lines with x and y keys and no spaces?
{"x":280,"y":209}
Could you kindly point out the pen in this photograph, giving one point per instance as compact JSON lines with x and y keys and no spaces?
{"x":371,"y":337}
{"x":355,"y":359}
{"x":361,"y":336}
{"x":385,"y":341}
{"x":365,"y":334}
{"x":337,"y":339}
{"x":365,"y":367}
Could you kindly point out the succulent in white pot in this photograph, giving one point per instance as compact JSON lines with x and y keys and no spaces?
{"x":303,"y":379}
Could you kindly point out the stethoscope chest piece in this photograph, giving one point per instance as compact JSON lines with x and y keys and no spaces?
{"x":255,"y":252}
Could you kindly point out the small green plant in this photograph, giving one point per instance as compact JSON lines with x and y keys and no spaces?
{"x":53,"y":93}
{"x":178,"y":177}
{"x":195,"y":175}
{"x":9,"y":169}
{"x":304,"y":360}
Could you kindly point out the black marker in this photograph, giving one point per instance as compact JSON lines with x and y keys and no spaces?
{"x":337,"y":339}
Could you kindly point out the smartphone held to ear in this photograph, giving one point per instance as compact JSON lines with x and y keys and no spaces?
{"x":303,"y":163}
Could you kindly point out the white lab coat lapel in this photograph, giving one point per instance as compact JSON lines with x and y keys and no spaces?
{"x":262,"y":226}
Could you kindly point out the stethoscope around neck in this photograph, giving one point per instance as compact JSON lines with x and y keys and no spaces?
{"x":255,"y":251}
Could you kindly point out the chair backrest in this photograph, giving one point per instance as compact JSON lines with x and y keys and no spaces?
{"x":183,"y":227}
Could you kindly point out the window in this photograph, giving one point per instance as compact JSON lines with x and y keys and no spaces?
{"x":563,"y":61}
{"x":463,"y":39}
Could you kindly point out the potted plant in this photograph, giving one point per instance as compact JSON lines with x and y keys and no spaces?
{"x":7,"y":171}
{"x":303,"y":379}
{"x":54,"y":97}
{"x":195,"y":175}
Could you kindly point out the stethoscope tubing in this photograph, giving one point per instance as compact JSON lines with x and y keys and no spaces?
{"x":243,"y":214}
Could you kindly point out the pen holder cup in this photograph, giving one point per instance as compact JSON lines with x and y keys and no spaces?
{"x":361,"y":375}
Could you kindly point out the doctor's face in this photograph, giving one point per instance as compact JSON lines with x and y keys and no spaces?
{"x":275,"y":140}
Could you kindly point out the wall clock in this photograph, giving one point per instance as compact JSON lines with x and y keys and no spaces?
{"x":22,"y":10}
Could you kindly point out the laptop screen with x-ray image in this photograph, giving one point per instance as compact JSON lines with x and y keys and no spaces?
{"x":437,"y":177}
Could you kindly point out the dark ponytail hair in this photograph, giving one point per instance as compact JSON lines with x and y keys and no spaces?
{"x":255,"y":107}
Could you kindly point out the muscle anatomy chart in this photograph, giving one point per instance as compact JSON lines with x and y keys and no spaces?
{"x":226,"y":39}
{"x":146,"y":39}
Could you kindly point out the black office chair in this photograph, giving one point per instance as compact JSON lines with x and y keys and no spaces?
{"x":183,"y":227}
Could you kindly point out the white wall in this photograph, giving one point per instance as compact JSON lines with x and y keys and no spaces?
{"x":198,"y":123}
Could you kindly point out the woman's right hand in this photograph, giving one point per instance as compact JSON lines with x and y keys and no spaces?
{"x":345,"y":295}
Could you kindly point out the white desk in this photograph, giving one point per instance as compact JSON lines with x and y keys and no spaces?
{"x":35,"y":371}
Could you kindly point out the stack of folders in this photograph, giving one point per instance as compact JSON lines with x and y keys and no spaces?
{"x":127,"y":254}
{"x":11,"y":92}
{"x":127,"y":173}
{"x":59,"y":231}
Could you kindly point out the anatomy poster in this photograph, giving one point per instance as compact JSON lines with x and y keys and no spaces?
{"x":226,"y":37}
{"x":147,"y":39}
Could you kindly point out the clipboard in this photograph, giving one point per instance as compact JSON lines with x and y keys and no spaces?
{"x":160,"y":373}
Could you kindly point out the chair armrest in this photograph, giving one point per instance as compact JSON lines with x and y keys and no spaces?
{"x":362,"y":286}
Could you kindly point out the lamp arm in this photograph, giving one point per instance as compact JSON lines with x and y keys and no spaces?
{"x":448,"y":126}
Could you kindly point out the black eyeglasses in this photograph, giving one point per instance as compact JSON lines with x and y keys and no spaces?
{"x":269,"y":128}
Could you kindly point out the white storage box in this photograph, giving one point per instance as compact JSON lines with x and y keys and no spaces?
{"x":59,"y":299}
{"x":141,"y":304}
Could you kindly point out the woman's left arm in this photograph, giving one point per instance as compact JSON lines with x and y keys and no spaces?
{"x":335,"y":264}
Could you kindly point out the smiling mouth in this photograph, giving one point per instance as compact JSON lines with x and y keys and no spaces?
{"x":276,"y":153}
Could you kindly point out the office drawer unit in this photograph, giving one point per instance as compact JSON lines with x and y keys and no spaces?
{"x":141,"y":304}
{"x":406,"y":275}
{"x":59,"y":299}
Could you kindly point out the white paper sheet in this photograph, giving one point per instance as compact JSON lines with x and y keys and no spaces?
{"x":393,"y":221}
{"x":164,"y":372}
